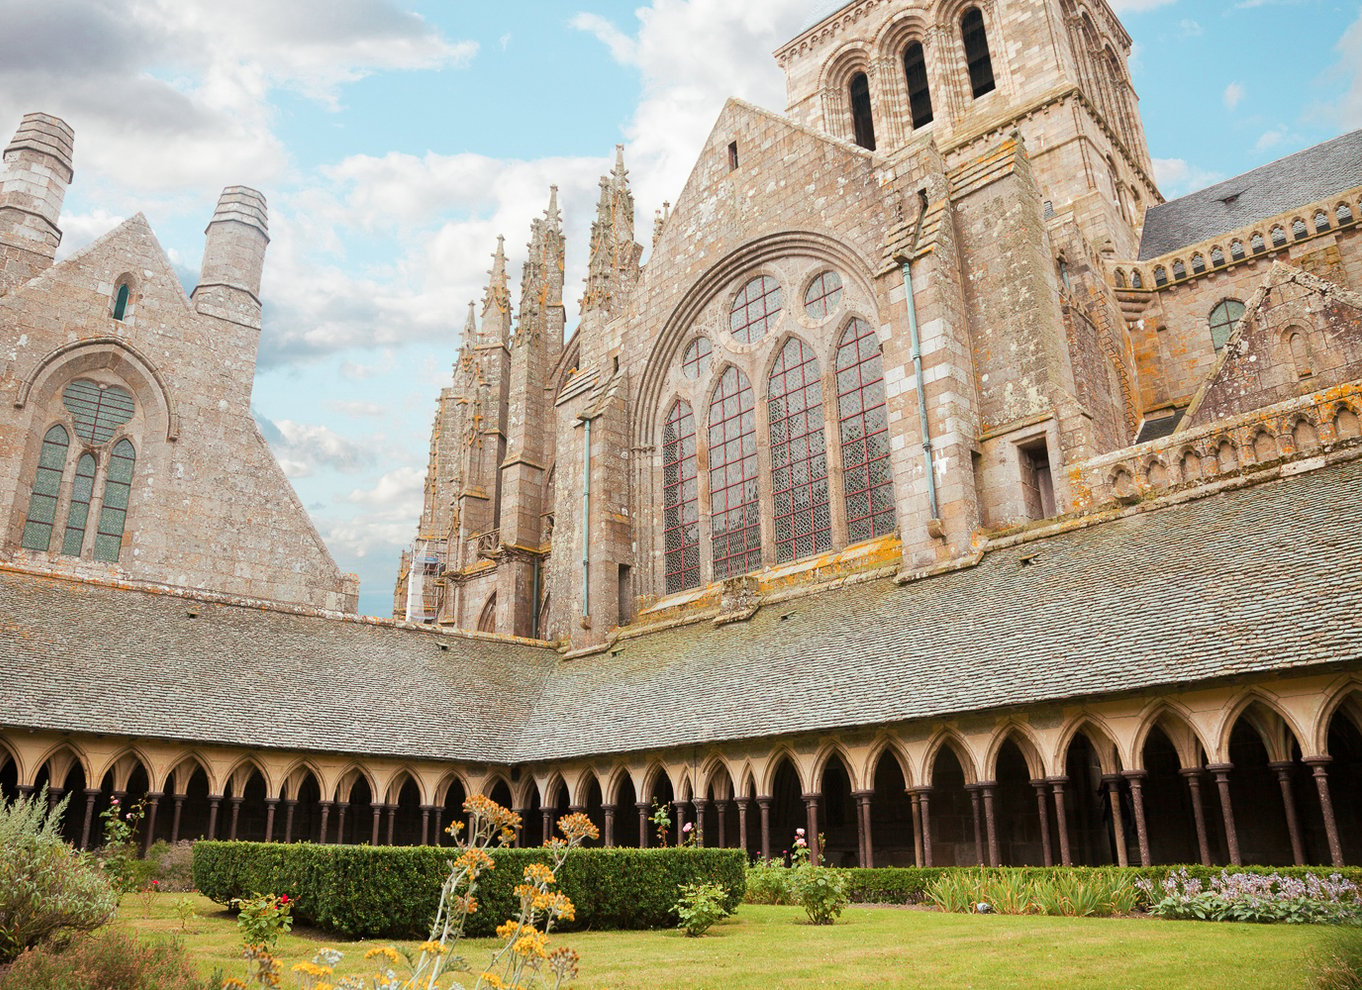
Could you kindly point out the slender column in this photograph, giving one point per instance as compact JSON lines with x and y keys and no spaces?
{"x":175,"y":819}
{"x":721,"y":815}
{"x":922,"y":799}
{"x":866,"y":844}
{"x":54,"y":794}
{"x":392,"y":821}
{"x":742,"y":824}
{"x":643,"y":823}
{"x":1221,"y":772}
{"x":995,"y":856}
{"x":426,"y":811}
{"x":1043,"y":809}
{"x":290,"y":807}
{"x":26,"y":790}
{"x":214,"y":800}
{"x":977,"y":816}
{"x":547,"y":816}
{"x":916,"y":801}
{"x":1319,"y":766}
{"x":1282,"y":768}
{"x":1061,"y":819}
{"x":236,"y":815}
{"x":1136,"y":778}
{"x":326,"y":813}
{"x":701,"y":807}
{"x":1112,"y":781}
{"x":764,"y":806}
{"x":377,"y":824}
{"x":608,"y":833}
{"x":149,"y":836}
{"x":342,"y":809}
{"x":1193,"y":776}
{"x":270,"y":805}
{"x":811,"y":814}
{"x":524,"y":814}
{"x":91,"y":796}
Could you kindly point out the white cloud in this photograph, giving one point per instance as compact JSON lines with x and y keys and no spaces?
{"x":1175,"y":177}
{"x":1234,"y":92}
{"x":1270,"y":139}
{"x":302,"y":448}
{"x":404,"y":487}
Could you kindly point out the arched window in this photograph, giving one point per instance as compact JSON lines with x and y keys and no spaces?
{"x":976,"y":52}
{"x":98,"y":410}
{"x":864,"y":427}
{"x":120,"y":306}
{"x":1256,"y":242}
{"x":1222,"y":319}
{"x":1217,"y":257}
{"x":695,"y":362}
{"x":1298,"y":229}
{"x":1198,"y":264}
{"x":1321,"y":222}
{"x":919,"y":91}
{"x":1237,"y":250}
{"x":1300,"y":352}
{"x":862,"y":120}
{"x":1179,"y":269}
{"x":1136,"y":279}
{"x":113,"y":514}
{"x":735,"y":509}
{"x":1344,"y":213}
{"x":1120,"y":279}
{"x":680,"y":500}
{"x":823,"y":295}
{"x":799,"y":455}
{"x":1278,"y":237}
{"x":42,"y":506}
{"x":1160,"y":275}
{"x":755,"y":309}
{"x":79,"y":512}
{"x":487,"y":619}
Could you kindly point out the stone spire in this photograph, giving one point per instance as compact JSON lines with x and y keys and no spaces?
{"x":541,"y":283}
{"x":613,"y":266}
{"x":496,"y":301}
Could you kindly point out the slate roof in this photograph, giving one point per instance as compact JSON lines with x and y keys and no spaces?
{"x":1263,"y":579}
{"x":1307,"y":176}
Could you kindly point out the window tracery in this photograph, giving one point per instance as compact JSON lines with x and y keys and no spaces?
{"x":864,"y":426}
{"x":1222,"y":318}
{"x":681,"y":500}
{"x":823,"y":295}
{"x":755,"y":309}
{"x":799,"y":459}
{"x":42,"y":504}
{"x":734,"y":499}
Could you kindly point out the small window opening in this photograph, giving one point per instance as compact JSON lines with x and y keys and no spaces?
{"x":120,"y":308}
{"x":1179,"y":269}
{"x":1038,"y":488}
{"x":862,"y":121}
{"x":626,"y":594}
{"x":1198,"y":264}
{"x":1064,"y":275}
{"x":1136,"y":279}
{"x":1120,"y":279}
{"x":1300,"y":353}
{"x":1257,"y":243}
{"x":1321,"y":222}
{"x":1298,"y":229}
{"x":732,"y":156}
{"x":976,"y":52}
{"x":1222,"y":319}
{"x":1160,"y":275}
{"x":1344,"y":213}
{"x":919,"y":92}
{"x":1237,"y":250}
{"x":1217,"y":257}
{"x":1278,"y":237}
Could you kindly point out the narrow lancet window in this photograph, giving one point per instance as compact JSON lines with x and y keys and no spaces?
{"x":862,"y":120}
{"x":113,"y":515}
{"x":42,"y":506}
{"x":79,"y":513}
{"x":976,"y":52}
{"x":864,"y":424}
{"x":799,"y":455}
{"x":120,"y":308}
{"x":735,"y":505}
{"x":680,"y":500}
{"x":919,"y":92}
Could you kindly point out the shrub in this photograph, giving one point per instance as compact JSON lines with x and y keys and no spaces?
{"x":102,"y":960}
{"x":393,"y":892}
{"x":1256,"y":898}
{"x":699,"y":907}
{"x":770,"y":882}
{"x":263,"y":918}
{"x":172,"y":866}
{"x":47,"y":889}
{"x":822,"y":893}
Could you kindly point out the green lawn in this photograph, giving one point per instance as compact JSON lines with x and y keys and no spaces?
{"x":773,"y":947}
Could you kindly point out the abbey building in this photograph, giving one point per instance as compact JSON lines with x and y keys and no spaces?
{"x":934,"y":485}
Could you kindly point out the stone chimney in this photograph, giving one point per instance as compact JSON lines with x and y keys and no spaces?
{"x":233,"y":258}
{"x":37,"y":170}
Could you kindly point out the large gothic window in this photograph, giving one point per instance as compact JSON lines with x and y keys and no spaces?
{"x":680,"y":500}
{"x":864,"y":424}
{"x":976,"y":52}
{"x":734,"y":501}
{"x":42,"y":506}
{"x":919,"y":93}
{"x":113,"y":514}
{"x":799,"y":457}
{"x":98,"y":410}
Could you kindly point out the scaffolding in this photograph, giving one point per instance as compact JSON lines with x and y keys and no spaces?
{"x":425,"y":590}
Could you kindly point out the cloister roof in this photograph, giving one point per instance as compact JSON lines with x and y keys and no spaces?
{"x":1256,"y":580}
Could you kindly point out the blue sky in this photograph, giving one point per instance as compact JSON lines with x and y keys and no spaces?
{"x":395,"y":140}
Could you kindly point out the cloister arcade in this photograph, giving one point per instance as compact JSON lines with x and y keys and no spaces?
{"x":1267,"y":774}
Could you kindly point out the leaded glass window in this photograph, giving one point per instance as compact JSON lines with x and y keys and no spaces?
{"x":42,"y":505}
{"x":976,"y":52}
{"x":755,"y":309}
{"x":120,"y":308}
{"x":799,"y":455}
{"x":823,"y":295}
{"x":1222,"y":319}
{"x":680,"y":500}
{"x":113,"y":514}
{"x":695,"y":361}
{"x":79,"y":512}
{"x":97,"y":410}
{"x":734,"y":501}
{"x":864,"y":424}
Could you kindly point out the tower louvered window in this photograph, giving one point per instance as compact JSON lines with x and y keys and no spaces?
{"x":42,"y":505}
{"x":113,"y":514}
{"x":976,"y":52}
{"x":734,"y":500}
{"x":864,"y":424}
{"x":799,"y":456}
{"x":919,"y":90}
{"x":79,"y":514}
{"x":862,"y":116}
{"x":680,"y":500}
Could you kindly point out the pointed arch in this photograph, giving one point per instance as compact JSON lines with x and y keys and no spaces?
{"x":1343,"y":697}
{"x":1024,"y":738}
{"x":487,"y":618}
{"x":452,"y":777}
{"x":122,"y":764}
{"x":1098,"y":734}
{"x":779,"y":754}
{"x":680,"y":499}
{"x":397,"y":780}
{"x":241,"y":772}
{"x":887,"y":745}
{"x":1176,"y":723}
{"x":714,"y":772}
{"x":345,"y":783}
{"x":949,"y":739}
{"x":1242,"y":706}
{"x":581,"y":786}
{"x":826,"y":752}
{"x":295,"y":775}
{"x":180,"y":772}
{"x":64,"y":755}
{"x":615,"y":781}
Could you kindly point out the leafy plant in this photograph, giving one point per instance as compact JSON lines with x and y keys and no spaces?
{"x":1256,"y":897}
{"x":661,"y":819}
{"x":822,"y":893}
{"x":47,"y":890}
{"x":103,"y":960}
{"x":126,"y":870}
{"x":700,"y":906}
{"x":770,"y":881}
{"x":263,"y":918}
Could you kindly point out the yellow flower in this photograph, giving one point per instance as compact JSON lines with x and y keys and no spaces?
{"x":507,"y":929}
{"x":474,"y":859}
{"x":538,"y":873}
{"x":387,"y":952}
{"x":434,"y":948}
{"x":232,"y":983}
{"x":491,"y":979}
{"x":532,"y":943}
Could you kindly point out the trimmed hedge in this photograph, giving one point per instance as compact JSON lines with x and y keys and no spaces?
{"x":908,"y":884}
{"x":393,"y":892}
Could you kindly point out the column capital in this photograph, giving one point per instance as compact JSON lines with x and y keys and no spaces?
{"x":642,"y":805}
{"x":577,"y":809}
{"x":812,"y":796}
{"x":863,"y":794}
{"x":237,"y":799}
{"x":290,"y":802}
{"x":216,"y":797}
{"x":268,"y":800}
{"x":1134,"y":775}
{"x":764,"y":800}
{"x":325,"y":804}
{"x":1219,"y":768}
{"x":610,"y":807}
{"x":430,"y":807}
{"x":985,"y":785}
{"x":1317,"y":761}
{"x":1059,"y":781}
{"x":93,"y":792}
{"x":1111,"y":778}
{"x":155,"y":795}
{"x":1192,"y":773}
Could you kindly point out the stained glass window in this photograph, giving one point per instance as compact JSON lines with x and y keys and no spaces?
{"x":755,"y":309}
{"x":695,"y":361}
{"x":42,"y":506}
{"x":680,"y":500}
{"x":864,"y":423}
{"x":97,"y":411}
{"x":113,"y":514}
{"x":799,"y":455}
{"x":734,"y":502}
{"x":79,"y":513}
{"x":823,"y":295}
